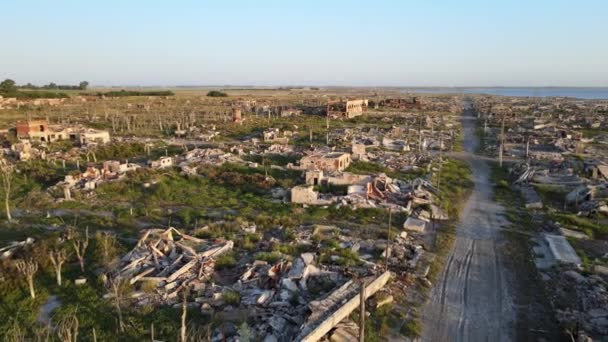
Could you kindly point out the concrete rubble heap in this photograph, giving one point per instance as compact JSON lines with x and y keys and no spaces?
{"x":583,"y":301}
{"x":171,"y":260}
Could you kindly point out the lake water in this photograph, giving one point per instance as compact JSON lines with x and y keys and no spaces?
{"x":581,"y":93}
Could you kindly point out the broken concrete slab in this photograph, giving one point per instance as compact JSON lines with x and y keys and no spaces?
{"x":415,"y":225}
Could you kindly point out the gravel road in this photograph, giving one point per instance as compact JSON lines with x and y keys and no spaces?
{"x":472,"y":300}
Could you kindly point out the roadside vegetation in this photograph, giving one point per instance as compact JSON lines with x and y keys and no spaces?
{"x":523,"y":228}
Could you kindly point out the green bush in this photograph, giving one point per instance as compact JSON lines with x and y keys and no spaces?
{"x":412,"y":329}
{"x":231,"y":297}
{"x":270,"y":258}
{"x":225,"y":261}
{"x":216,"y":93}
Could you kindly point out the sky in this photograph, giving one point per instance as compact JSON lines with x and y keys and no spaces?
{"x":307,"y":42}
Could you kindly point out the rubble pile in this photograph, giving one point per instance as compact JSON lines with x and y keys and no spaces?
{"x":396,"y":161}
{"x":281,"y":293}
{"x":209,"y":156}
{"x":582,"y":302}
{"x":9,"y":250}
{"x":590,"y":199}
{"x":170,"y":260}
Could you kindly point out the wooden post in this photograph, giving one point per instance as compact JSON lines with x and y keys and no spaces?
{"x":362,"y":313}
{"x":502,"y":139}
{"x":388,"y":240}
{"x":439,"y":179}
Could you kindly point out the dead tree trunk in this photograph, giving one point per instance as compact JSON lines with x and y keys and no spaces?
{"x":114,"y":285}
{"x":6,"y":173}
{"x":28,"y":269}
{"x":80,"y":246}
{"x":67,"y":329}
{"x":58,"y":258}
{"x":184,"y":313}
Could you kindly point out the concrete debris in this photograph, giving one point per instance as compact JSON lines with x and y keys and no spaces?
{"x":8,"y":251}
{"x":562,"y":250}
{"x":170,"y":260}
{"x":415,"y":225}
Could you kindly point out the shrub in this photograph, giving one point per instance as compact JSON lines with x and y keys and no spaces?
{"x":268,"y":257}
{"x":231,"y":297}
{"x":225,"y":261}
{"x":412,"y":329}
{"x":216,"y":93}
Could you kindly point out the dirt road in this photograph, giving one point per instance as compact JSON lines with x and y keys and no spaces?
{"x":472,"y":299}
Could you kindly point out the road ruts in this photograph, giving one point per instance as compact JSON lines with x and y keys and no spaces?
{"x":471,"y":300}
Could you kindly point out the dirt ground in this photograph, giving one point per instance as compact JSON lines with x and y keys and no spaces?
{"x":472,"y":299}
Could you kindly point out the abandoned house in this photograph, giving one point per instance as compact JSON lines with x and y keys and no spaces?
{"x":274,"y":135}
{"x":40,"y":130}
{"x":348,"y":109}
{"x":334,"y":161}
{"x":161,"y":163}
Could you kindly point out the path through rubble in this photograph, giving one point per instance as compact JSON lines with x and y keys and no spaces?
{"x":472,"y":299}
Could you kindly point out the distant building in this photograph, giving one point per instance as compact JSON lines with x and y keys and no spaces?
{"x":397,"y":103}
{"x":161,"y":163}
{"x":40,"y":130}
{"x":25,"y":128}
{"x":334,"y":161}
{"x":273,"y":135}
{"x":348,"y":109}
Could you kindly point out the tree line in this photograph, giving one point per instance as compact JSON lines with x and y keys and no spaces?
{"x":9,"y":88}
{"x":123,"y":93}
{"x":53,"y":86}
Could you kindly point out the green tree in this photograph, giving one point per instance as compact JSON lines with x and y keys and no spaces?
{"x":8,"y":86}
{"x":83,"y":85}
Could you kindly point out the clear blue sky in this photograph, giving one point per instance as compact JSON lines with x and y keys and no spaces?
{"x":313,"y":42}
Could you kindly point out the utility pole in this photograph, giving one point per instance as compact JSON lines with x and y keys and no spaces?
{"x":420,"y":134}
{"x":310,"y":136}
{"x":502,"y":139}
{"x":388,"y":240}
{"x":362,"y":312}
{"x":439,"y":179}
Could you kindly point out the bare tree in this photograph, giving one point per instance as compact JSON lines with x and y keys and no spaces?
{"x":58,"y":258}
{"x":67,"y":329}
{"x":199,"y":333}
{"x":80,"y":246}
{"x":6,"y":173}
{"x":183,"y":333}
{"x":28,"y":269}
{"x":114,"y":285}
{"x":14,"y":333}
{"x":108,"y":245}
{"x":42,"y":333}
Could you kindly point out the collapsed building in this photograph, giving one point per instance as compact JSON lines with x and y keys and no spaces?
{"x":274,"y":135}
{"x":299,"y":300}
{"x":41,"y":131}
{"x":346,"y":109}
{"x":332,"y":161}
{"x":397,"y":103}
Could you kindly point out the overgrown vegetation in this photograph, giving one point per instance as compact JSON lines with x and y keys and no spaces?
{"x":124,"y":93}
{"x":216,"y":93}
